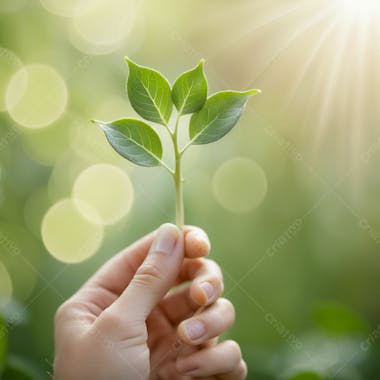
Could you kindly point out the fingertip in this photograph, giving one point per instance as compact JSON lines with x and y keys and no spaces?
{"x":203,"y":293}
{"x":206,"y":291}
{"x":191,"y":331}
{"x":166,"y":239}
{"x":170,"y":227}
{"x":198,"y":295}
{"x":182,"y":334}
{"x":197,"y":243}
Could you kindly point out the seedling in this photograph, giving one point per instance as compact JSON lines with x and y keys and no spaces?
{"x":152,"y":98}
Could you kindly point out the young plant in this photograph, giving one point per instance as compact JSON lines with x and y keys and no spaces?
{"x":152,"y":98}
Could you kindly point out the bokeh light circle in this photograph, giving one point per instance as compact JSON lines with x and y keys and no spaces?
{"x":9,"y":64}
{"x":239,"y":185}
{"x":107,"y":189}
{"x":67,"y":235}
{"x":6,"y":287}
{"x":103,"y":26}
{"x":36,"y":96}
{"x":66,"y":8}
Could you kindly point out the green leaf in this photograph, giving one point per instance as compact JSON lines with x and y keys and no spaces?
{"x":218,"y":116}
{"x":3,"y":342}
{"x":190,"y":90}
{"x":306,"y":376}
{"x":149,"y":93}
{"x":134,"y":140}
{"x":338,"y":319}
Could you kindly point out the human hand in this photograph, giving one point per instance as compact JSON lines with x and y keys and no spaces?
{"x":123,"y":324}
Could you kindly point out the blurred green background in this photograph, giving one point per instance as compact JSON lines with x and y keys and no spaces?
{"x":290,"y":198}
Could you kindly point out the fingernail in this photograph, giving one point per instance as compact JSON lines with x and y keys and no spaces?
{"x":166,"y":239}
{"x":195,"y":329}
{"x":208,"y":289}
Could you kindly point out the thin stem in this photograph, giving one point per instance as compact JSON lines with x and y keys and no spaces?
{"x":185,"y":147}
{"x":178,"y":178}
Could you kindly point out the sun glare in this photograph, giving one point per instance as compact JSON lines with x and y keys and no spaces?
{"x":320,"y":69}
{"x":360,"y":5}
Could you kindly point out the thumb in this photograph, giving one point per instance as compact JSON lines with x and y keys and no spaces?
{"x":156,"y":275}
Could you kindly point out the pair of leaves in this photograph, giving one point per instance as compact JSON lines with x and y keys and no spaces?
{"x":152,"y":98}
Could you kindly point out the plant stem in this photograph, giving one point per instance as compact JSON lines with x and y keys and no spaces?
{"x":178,"y":178}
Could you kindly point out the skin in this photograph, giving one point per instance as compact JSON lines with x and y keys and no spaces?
{"x":127,"y":321}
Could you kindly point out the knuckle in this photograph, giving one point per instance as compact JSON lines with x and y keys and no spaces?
{"x":216,"y":268}
{"x":211,"y":264}
{"x":228,"y":307}
{"x":148,"y":274}
{"x":200,"y":263}
{"x":212,"y":272}
{"x":61,"y":312}
{"x":111,"y":319}
{"x":234,"y":350}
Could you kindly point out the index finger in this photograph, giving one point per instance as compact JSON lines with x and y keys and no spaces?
{"x":115,"y":275}
{"x":197,"y":243}
{"x":205,"y":288}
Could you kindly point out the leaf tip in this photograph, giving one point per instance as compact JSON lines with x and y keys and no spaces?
{"x":129,"y":62}
{"x":201,"y":62}
{"x":98,"y":123}
{"x":254,"y":91}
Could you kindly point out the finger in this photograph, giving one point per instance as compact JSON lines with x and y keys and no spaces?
{"x":101,"y":290}
{"x":238,"y":373}
{"x":178,"y":306}
{"x":206,"y":288}
{"x":208,"y":324}
{"x":207,"y":279}
{"x":153,"y":278}
{"x":223,"y":359}
{"x":116,"y":274}
{"x":211,"y":343}
{"x":197,"y":243}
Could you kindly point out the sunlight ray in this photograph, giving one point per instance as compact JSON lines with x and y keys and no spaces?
{"x":330,"y":83}
{"x":308,"y":63}
{"x":254,"y":27}
{"x":359,"y":84}
{"x":307,"y":25}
